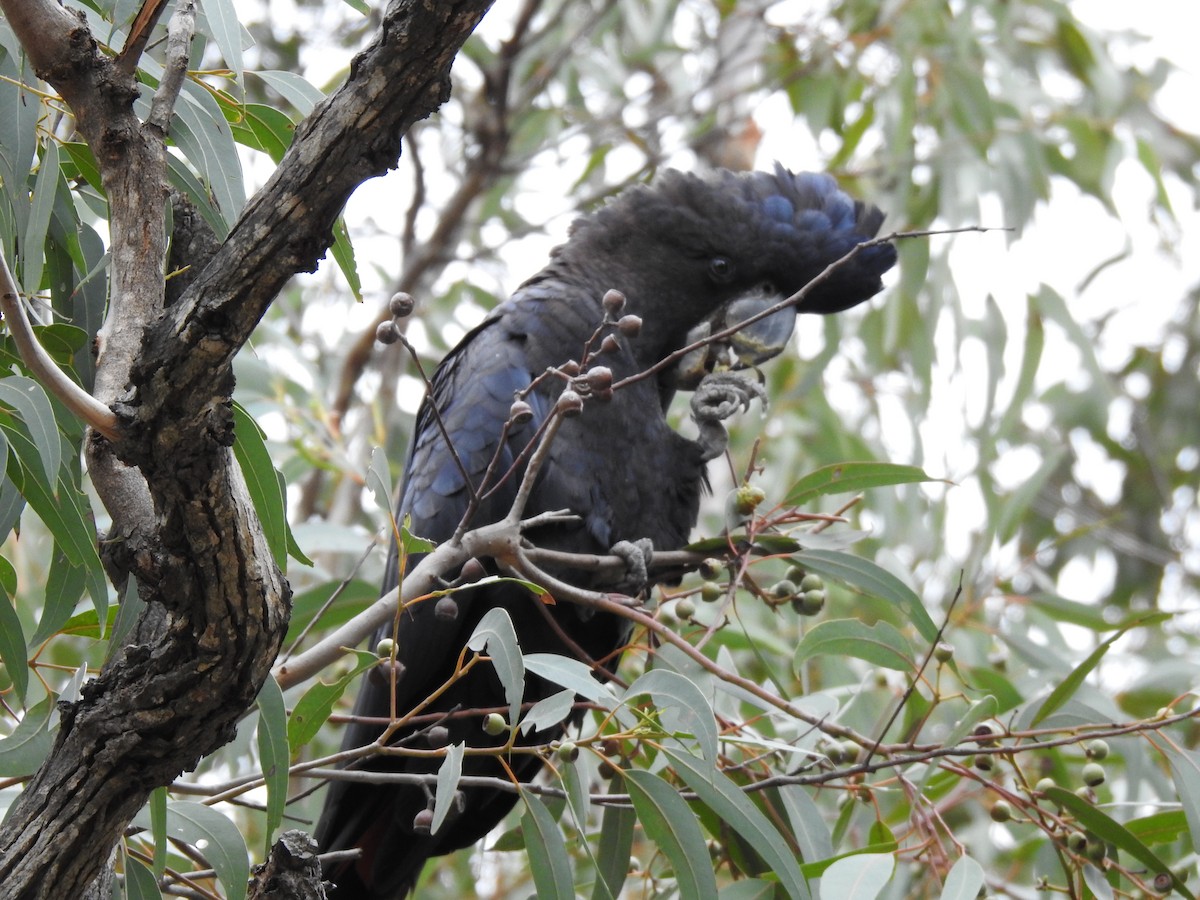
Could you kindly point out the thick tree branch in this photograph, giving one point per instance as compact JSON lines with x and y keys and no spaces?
{"x":217,"y":605}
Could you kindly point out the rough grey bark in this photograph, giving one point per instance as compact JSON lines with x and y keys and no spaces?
{"x":217,"y":605}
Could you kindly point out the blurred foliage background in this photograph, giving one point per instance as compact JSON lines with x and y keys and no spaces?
{"x":1048,"y":371}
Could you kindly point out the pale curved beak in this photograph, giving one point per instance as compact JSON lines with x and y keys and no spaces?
{"x":749,"y":346}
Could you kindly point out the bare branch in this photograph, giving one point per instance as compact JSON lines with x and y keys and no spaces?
{"x":35,"y":357}
{"x":180,"y":32}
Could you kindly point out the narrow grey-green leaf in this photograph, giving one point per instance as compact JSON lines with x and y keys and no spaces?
{"x":449,"y":773}
{"x":32,"y":406}
{"x":549,"y":862}
{"x":156,"y":813}
{"x":851,"y":477}
{"x":495,"y":633}
{"x":738,"y":812}
{"x":616,"y":841}
{"x":1185,"y":771}
{"x":42,"y":205}
{"x":274,"y":753}
{"x":872,"y":579}
{"x":1097,"y":883}
{"x":808,"y":825}
{"x":964,"y":880}
{"x":263,"y":482}
{"x":671,"y":824}
{"x":862,"y":876}
{"x":217,"y":838}
{"x":749,"y":889}
{"x":1069,"y":685}
{"x":293,"y":88}
{"x":548,"y":711}
{"x":128,"y":611}
{"x":139,"y":882}
{"x":880,"y":644}
{"x":379,"y":480}
{"x":571,"y":674}
{"x":226,"y":33}
{"x":26,"y":748}
{"x":682,"y":706}
{"x":311,"y":711}
{"x":12,"y":638}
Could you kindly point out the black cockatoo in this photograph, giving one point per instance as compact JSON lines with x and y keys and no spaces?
{"x":691,"y":255}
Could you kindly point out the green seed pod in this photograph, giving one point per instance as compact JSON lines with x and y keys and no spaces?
{"x":809,"y":603}
{"x":811,"y":582}
{"x":711,"y":592}
{"x":385,"y":648}
{"x":1093,"y":774}
{"x":1002,"y":811}
{"x":685,"y":608}
{"x":1097,"y":750}
{"x":943,"y":651}
{"x":494,"y":724}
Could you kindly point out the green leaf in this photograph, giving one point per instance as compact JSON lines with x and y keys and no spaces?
{"x":681,"y":705}
{"x":157,"y":812}
{"x":964,"y":880}
{"x":200,"y":131}
{"x":862,"y":876}
{"x":27,"y":747}
{"x":30,"y":403}
{"x":1071,"y":683}
{"x":265,"y":484}
{"x":293,"y":88}
{"x":222,"y":842}
{"x":549,"y":861}
{"x":1185,"y":771}
{"x":343,"y":254}
{"x":12,"y":636}
{"x":274,"y":753}
{"x":548,"y":711}
{"x":850,"y":478}
{"x":808,"y":825}
{"x":139,"y":882}
{"x":572,"y":674}
{"x":44,"y":190}
{"x":85,"y":162}
{"x":449,"y":773}
{"x":267,"y":129}
{"x":872,"y":579}
{"x":496,"y":634}
{"x":314,"y":708}
{"x":880,"y":644}
{"x":379,"y":480}
{"x":671,"y":824}
{"x":738,"y":812}
{"x":1113,"y":832}
{"x":1162,"y":827}
{"x":63,"y":515}
{"x":226,"y":33}
{"x":616,"y":842}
